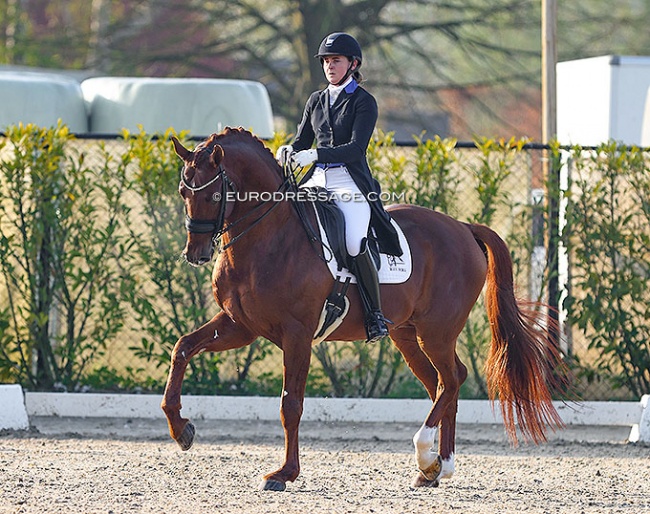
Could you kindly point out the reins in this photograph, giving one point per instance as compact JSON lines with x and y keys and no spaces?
{"x":254,"y":209}
{"x":313,"y":236}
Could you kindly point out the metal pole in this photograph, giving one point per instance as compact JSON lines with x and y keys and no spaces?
{"x":551,"y":162}
{"x":549,"y":60}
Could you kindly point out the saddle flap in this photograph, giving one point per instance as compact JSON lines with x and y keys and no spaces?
{"x":332,"y":221}
{"x":391,"y":269}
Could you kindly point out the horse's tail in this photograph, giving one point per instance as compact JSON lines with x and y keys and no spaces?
{"x":524,"y":363}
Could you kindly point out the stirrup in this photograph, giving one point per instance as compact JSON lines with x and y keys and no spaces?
{"x":376,"y":327}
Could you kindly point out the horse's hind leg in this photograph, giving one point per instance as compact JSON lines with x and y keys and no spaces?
{"x":442,"y":382}
{"x":447,"y":436}
{"x":451,"y":374}
{"x":428,"y":461}
{"x":218,"y":334}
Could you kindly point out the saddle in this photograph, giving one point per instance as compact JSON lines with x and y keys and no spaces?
{"x":332,"y":221}
{"x":332,"y":225}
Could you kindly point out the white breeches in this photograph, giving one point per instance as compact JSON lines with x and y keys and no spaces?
{"x":349,"y":199}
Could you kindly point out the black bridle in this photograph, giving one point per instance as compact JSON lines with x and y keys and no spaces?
{"x":216,"y":227}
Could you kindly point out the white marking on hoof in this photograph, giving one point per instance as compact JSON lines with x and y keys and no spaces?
{"x":448,"y":467}
{"x":425,"y":456}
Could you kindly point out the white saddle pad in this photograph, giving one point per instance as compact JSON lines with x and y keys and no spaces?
{"x":393,"y":270}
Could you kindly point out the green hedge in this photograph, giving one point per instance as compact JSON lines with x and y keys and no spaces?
{"x":608,"y":235}
{"x":93,"y":294}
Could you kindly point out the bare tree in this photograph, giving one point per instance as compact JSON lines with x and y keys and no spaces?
{"x":97,"y":56}
{"x":413,"y":49}
{"x":421,"y":54}
{"x":470,"y":57}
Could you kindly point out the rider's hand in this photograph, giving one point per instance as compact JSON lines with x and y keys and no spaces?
{"x":283,"y":154}
{"x":305,"y":157}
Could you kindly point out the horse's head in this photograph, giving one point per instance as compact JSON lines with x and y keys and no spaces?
{"x":204,"y":186}
{"x":207,"y":189}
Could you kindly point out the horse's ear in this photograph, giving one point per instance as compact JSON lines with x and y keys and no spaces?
{"x":216,"y":156}
{"x":180,"y":150}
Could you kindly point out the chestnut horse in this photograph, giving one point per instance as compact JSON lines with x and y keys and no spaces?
{"x":270,"y":281}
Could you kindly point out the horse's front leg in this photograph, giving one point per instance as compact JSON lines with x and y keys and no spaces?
{"x":296,"y":368}
{"x":218,"y":334}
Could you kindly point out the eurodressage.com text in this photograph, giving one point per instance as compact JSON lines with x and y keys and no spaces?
{"x":308,"y":196}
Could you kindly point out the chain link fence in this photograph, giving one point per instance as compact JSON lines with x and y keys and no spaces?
{"x":94,"y":293}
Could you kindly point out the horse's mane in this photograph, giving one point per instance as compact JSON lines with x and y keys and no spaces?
{"x":230,"y":136}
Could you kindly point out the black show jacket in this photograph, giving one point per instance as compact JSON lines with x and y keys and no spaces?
{"x":342,"y":133}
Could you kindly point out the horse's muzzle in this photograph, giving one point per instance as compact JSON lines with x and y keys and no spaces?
{"x":197,"y":262}
{"x":198,"y":258}
{"x":199,"y":249}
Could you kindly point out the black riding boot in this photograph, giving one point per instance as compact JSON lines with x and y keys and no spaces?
{"x":368,"y":284}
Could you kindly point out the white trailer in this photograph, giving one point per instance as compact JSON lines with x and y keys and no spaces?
{"x":603,"y":98}
{"x":201,"y":106}
{"x":106,"y":105}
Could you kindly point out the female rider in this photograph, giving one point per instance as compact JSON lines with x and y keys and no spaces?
{"x":341,"y":120}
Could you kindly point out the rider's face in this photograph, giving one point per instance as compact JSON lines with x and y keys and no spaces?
{"x":335,"y":67}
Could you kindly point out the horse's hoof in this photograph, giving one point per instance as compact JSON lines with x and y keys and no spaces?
{"x":422,"y":481}
{"x":272,"y":485}
{"x":187,"y":437}
{"x":433,"y":472}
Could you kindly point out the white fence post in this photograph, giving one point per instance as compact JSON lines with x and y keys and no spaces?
{"x":641,"y":433}
{"x":13,"y":415}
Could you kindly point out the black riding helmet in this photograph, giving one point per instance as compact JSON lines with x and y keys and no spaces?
{"x":340,"y":43}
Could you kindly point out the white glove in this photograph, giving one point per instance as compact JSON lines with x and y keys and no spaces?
{"x":305,"y":157}
{"x":283,"y":154}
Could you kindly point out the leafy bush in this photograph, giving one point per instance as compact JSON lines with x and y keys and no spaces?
{"x":91,"y":235}
{"x":59,"y":244}
{"x":609,"y":244}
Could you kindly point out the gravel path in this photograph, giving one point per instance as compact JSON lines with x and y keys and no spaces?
{"x":119,"y":466}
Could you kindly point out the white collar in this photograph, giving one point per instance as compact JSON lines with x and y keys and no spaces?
{"x":335,"y":90}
